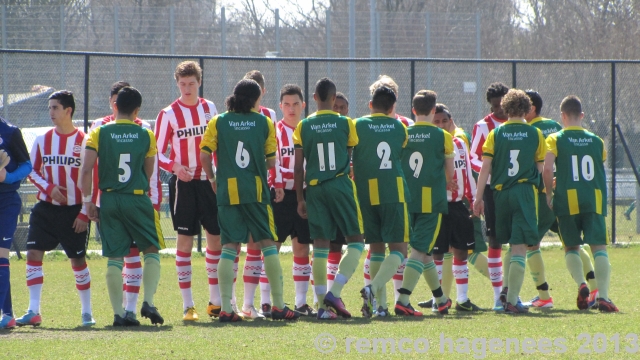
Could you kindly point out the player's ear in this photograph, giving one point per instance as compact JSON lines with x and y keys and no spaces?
{"x":414,"y":111}
{"x":304,"y":105}
{"x":315,"y":97}
{"x":370,"y":105}
{"x":433,"y":111}
{"x":581,"y":115}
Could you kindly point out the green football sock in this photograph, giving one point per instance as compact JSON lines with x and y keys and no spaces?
{"x":603,"y":272}
{"x":375,"y":262}
{"x":225,"y":277}
{"x":574,"y":265}
{"x":388,"y":269}
{"x":506,"y":269}
{"x":347,"y":267}
{"x":114,"y":285}
{"x":587,"y":268}
{"x":273,"y":269}
{"x":481,"y":263}
{"x":150,"y":276}
{"x":447,"y":274}
{"x":431,"y":275}
{"x":319,"y":270}
{"x":516,"y":277}
{"x":412,"y":271}
{"x":536,"y":269}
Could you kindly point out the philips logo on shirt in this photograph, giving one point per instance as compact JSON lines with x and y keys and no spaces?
{"x":192,"y":131}
{"x":460,"y":164}
{"x":287,"y":151}
{"x":61,"y":160}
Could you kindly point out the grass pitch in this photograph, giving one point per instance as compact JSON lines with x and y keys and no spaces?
{"x":561,"y":332}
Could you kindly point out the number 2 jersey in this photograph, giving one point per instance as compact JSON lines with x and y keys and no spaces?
{"x":242,"y":142}
{"x":324,"y":138}
{"x":377,"y":158}
{"x":122,"y":148}
{"x":580,"y":176}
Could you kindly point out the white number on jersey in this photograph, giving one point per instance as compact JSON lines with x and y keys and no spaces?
{"x":126,"y":169}
{"x":242,"y":156}
{"x":588,"y":170}
{"x":332,"y":156}
{"x":513,"y":171}
{"x":384,"y":153}
{"x":415,"y":163}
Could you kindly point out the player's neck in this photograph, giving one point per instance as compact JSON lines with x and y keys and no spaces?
{"x":424,"y":118}
{"x":574,"y":123}
{"x":291,"y":122}
{"x":66,"y":127}
{"x":324,"y":106}
{"x":189,"y":101}
{"x":518,"y":119}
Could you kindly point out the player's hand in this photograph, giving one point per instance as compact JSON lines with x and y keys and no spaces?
{"x":279,"y":195}
{"x":93,"y":212}
{"x":182,"y":172}
{"x":478,"y":207}
{"x":302,"y":209}
{"x":214,"y":186}
{"x":79,"y":226}
{"x":3,"y":175}
{"x":554,"y":182}
{"x":550,"y":201}
{"x":4,"y":159}
{"x":57,"y":194}
{"x":452,"y":185}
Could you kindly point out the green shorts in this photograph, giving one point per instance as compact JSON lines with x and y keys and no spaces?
{"x":517,"y":215}
{"x":590,"y":225}
{"x":546,"y":217}
{"x":331,"y":205}
{"x":385,"y":223}
{"x":425,"y":228}
{"x":480,"y":243}
{"x":238,"y":221}
{"x":125,"y":218}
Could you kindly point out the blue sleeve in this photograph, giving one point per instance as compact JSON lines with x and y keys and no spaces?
{"x":21,"y":172}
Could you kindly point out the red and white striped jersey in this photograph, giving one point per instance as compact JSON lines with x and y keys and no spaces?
{"x":57,"y":160}
{"x":462,"y":175}
{"x":181,"y":127}
{"x":405,"y":120}
{"x":155,"y":185}
{"x":480,"y":132}
{"x":269,"y":113}
{"x":281,"y":176}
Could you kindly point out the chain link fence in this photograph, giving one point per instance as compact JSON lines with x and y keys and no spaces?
{"x":606,"y":89}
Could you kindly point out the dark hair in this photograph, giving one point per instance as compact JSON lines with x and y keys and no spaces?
{"x":342,"y":96}
{"x":128,"y":100}
{"x":515,"y":103}
{"x":115,"y":88}
{"x":536,"y":100}
{"x":291,"y":89}
{"x":188,"y":68}
{"x":65,"y":98}
{"x":424,"y":101}
{"x":571,"y":105}
{"x":245,"y":94}
{"x":325,"y":88}
{"x":442,"y":108}
{"x":383,"y":99}
{"x":256,"y":76}
{"x":496,"y":90}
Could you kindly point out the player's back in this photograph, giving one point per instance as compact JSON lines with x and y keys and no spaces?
{"x":377,"y":160}
{"x":547,"y":126}
{"x":580,"y":174}
{"x":324,"y":137}
{"x":423,"y":165}
{"x":122,"y":147}
{"x":241,"y":150}
{"x":515,"y":146}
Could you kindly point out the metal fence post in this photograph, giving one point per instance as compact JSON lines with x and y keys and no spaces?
{"x":427,"y":45}
{"x":62,"y":47}
{"x":413,"y":85}
{"x":116,"y":39}
{"x":352,"y":54}
{"x":278,"y":63}
{"x":613,"y":152}
{"x":223,"y":44}
{"x":514,"y":73}
{"x":372,"y":39}
{"x":172,"y":35}
{"x":87,"y":61}
{"x":306,"y":86}
{"x":327,"y":35}
{"x":201,"y":90}
{"x":5,"y":88}
{"x":479,"y":98}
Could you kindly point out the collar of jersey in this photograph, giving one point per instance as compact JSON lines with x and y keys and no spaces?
{"x":514,"y":122}
{"x":575,"y":127}
{"x":189,"y":106}
{"x":423,"y":123}
{"x":536,"y":119}
{"x":378,"y":115}
{"x":125,"y":121}
{"x":324,"y":112}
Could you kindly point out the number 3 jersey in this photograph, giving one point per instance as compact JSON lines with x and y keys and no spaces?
{"x":423,"y":165}
{"x":324,"y":138}
{"x":580,"y":176}
{"x":515,"y":147}
{"x":122,"y":148}
{"x":242,"y":142}
{"x":377,"y":165}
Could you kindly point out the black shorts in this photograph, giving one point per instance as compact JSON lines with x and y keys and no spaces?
{"x":340,"y":239}
{"x":193,"y":203}
{"x":288,"y":222}
{"x":456,"y":230}
{"x":52,"y":225}
{"x":489,"y":211}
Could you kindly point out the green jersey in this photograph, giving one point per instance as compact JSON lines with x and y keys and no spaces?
{"x":515,"y":147}
{"x":241,"y":142}
{"x":580,"y":177}
{"x":377,"y":160}
{"x":423,"y":163}
{"x":548,"y":127}
{"x":122,"y":147}
{"x":324,"y":138}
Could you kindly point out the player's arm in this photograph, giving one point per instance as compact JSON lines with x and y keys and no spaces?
{"x":298,"y":171}
{"x":270,"y":145}
{"x":90,"y":159}
{"x":208,"y":145}
{"x":20,"y":154}
{"x":485,"y":171}
{"x":547,"y":171}
{"x":152,"y":152}
{"x":477,"y":142}
{"x":163,"y":133}
{"x":449,"y":155}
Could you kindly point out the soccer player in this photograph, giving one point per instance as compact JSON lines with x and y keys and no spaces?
{"x":180,"y":127}
{"x":324,"y":140}
{"x":341,"y":106}
{"x":127,"y":156}
{"x":244,"y":140}
{"x":513,"y":156}
{"x":579,"y":199}
{"x":383,"y":195}
{"x":14,"y":167}
{"x":285,"y":212}
{"x":428,"y":162}
{"x":495,"y":92}
{"x":59,"y":217}
{"x":132,"y":271}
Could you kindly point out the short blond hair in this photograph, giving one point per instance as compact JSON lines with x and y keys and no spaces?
{"x":384,"y":80}
{"x":188,"y":68}
{"x":516,"y":103}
